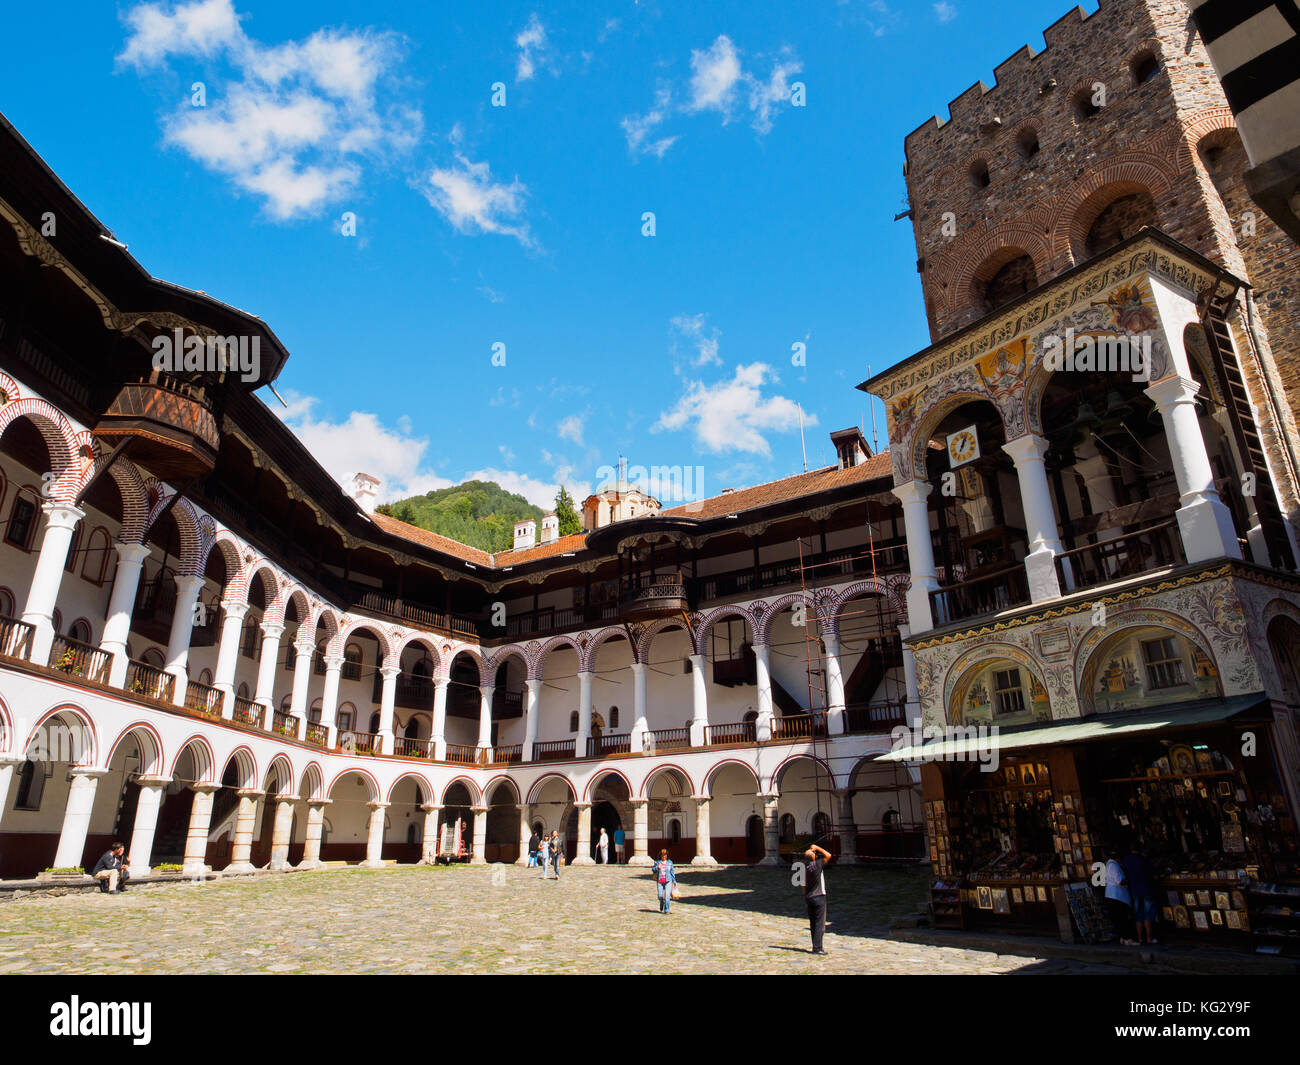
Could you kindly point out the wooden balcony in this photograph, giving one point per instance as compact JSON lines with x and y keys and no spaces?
{"x":609,"y":743}
{"x":981,"y":595}
{"x":734,"y":733}
{"x":652,"y":600}
{"x":16,"y":638}
{"x":203,"y":699}
{"x":170,"y":423}
{"x":409,"y":747}
{"x":657,"y":741}
{"x":316,"y":733}
{"x":875,"y":717}
{"x":506,"y":754}
{"x":798,"y":726}
{"x":248,"y":712}
{"x":553,"y":751}
{"x":284,"y":724}
{"x":462,"y":753}
{"x":1130,"y":555}
{"x":79,"y":659}
{"x":149,"y":681}
{"x":353,"y":742}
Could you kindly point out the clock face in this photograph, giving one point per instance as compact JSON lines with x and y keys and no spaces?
{"x":963,"y":446}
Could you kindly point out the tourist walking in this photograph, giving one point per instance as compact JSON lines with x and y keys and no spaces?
{"x":602,"y":848}
{"x":619,"y":837}
{"x":1119,"y":903}
{"x":534,"y":844}
{"x":555,"y":852}
{"x":109,"y":872}
{"x":814,"y":893}
{"x":665,"y":878}
{"x":544,"y":855}
{"x":1142,"y":892}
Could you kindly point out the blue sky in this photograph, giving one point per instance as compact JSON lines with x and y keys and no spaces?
{"x":522,"y":225}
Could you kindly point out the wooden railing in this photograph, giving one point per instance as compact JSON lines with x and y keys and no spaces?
{"x":875,"y":717}
{"x":553,"y":750}
{"x":508,"y":754}
{"x":798,"y":726}
{"x":462,"y":753}
{"x":357,"y":742}
{"x":79,"y":659}
{"x":1130,"y":555}
{"x":149,"y":681}
{"x":409,"y":747}
{"x":667,"y":739}
{"x":988,"y":594}
{"x":733,"y":732}
{"x":203,"y":699}
{"x":284,"y":724}
{"x":16,"y":638}
{"x":613,"y":743}
{"x":316,"y":733}
{"x":248,"y":712}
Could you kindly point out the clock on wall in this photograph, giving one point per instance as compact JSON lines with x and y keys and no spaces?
{"x":963,"y":446}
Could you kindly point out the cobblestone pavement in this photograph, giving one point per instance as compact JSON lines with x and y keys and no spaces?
{"x":417,"y":919}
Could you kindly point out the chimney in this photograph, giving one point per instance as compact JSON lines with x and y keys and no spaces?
{"x":363,"y":488}
{"x":550,"y":529}
{"x":525,"y":534}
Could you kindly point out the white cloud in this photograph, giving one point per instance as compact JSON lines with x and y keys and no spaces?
{"x":695,"y":330}
{"x":944,"y":11}
{"x":538,"y":492}
{"x":470,"y":200}
{"x":291,"y":123}
{"x":534,"y":49}
{"x":719,"y":82}
{"x":570,"y":428}
{"x":733,"y":415}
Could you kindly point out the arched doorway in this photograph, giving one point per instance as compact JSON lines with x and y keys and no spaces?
{"x":754,"y":838}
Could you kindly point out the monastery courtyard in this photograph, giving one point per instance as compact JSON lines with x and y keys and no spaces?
{"x":413,"y":919}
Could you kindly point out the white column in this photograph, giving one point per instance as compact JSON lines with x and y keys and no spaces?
{"x":1028,"y":453}
{"x":640,"y":832}
{"x":485,"y":715}
{"x":76,"y":816}
{"x":703,"y":843}
{"x":1204,"y":521}
{"x":178,"y":640}
{"x":763,"y":662}
{"x":146,"y":823}
{"x":196,"y":836}
{"x":848,"y":827}
{"x":440,"y":718}
{"x":584,"y":835}
{"x":699,"y":700}
{"x":920,"y":552}
{"x":267,"y":666}
{"x":478,"y":855}
{"x":315,"y":829}
{"x":639,"y":727}
{"x":121,"y":605}
{"x":771,"y":830}
{"x":429,"y":848}
{"x":834,"y":684}
{"x":281,"y":835}
{"x":532,"y":711}
{"x":387,"y":697}
{"x":525,"y":833}
{"x":245,"y":822}
{"x":302,"y":663}
{"x":43,"y":593}
{"x":232,"y":625}
{"x":375,"y":837}
{"x":584,"y":713}
{"x":329,"y":703}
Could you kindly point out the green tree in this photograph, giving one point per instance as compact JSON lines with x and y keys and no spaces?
{"x":570,"y":522}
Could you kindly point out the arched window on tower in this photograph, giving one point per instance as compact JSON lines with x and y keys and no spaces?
{"x":1011,"y":281}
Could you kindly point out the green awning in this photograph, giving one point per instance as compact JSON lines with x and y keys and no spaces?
{"x":1101,"y":727}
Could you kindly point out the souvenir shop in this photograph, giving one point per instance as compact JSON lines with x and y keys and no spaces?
{"x":1019,"y":847}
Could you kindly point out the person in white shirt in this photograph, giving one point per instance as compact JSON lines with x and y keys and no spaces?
{"x":602,"y":845}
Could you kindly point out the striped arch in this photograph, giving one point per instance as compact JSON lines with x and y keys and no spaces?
{"x":88,"y":756}
{"x":718,"y":767}
{"x":1078,"y":207}
{"x":282,"y":770}
{"x":552,"y":644}
{"x":9,"y":389}
{"x":705,"y":624}
{"x":310,"y":784}
{"x":6,"y":729}
{"x":587,"y":659}
{"x":890,"y":590}
{"x":295,"y":594}
{"x":231,"y":551}
{"x":426,"y":788}
{"x":372,"y":784}
{"x":538,"y":785}
{"x":193,"y":557}
{"x":648,"y":635}
{"x":420,"y":639}
{"x":1197,"y":128}
{"x":768,"y":613}
{"x":659,"y":771}
{"x":133,"y":493}
{"x":204,"y":760}
{"x":962,"y":388}
{"x":151,"y":747}
{"x":246,"y":765}
{"x":475,"y":655}
{"x":774,"y":781}
{"x":496,"y":660}
{"x":597,"y":777}
{"x":271,"y":583}
{"x":475,"y":795}
{"x":496,"y":782}
{"x":60,"y":438}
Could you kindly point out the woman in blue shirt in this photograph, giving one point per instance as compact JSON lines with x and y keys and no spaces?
{"x":665,"y":877}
